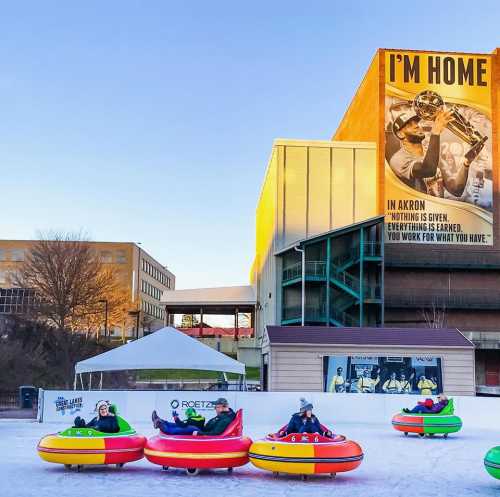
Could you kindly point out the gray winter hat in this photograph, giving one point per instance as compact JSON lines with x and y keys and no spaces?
{"x":221,"y":401}
{"x":305,"y":405}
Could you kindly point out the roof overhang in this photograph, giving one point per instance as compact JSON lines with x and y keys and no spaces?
{"x":216,"y":297}
{"x":335,"y":232}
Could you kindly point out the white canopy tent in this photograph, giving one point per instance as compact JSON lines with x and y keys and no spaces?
{"x":167,"y":348}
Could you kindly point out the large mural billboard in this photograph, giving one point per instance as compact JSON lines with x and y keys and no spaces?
{"x":438,"y":148}
{"x":421,"y":375}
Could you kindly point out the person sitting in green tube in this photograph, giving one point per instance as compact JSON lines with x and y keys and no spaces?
{"x":193,"y":422}
{"x":429,"y":406}
{"x":105,"y":421}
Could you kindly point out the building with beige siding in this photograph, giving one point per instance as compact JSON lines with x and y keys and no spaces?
{"x":298,"y":359}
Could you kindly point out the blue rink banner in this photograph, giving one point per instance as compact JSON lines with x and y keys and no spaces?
{"x":268,"y":410}
{"x":387,"y":375}
{"x":64,"y":406}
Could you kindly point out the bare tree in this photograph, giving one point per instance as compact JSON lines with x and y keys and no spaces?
{"x":115,"y":299}
{"x":69,"y":279}
{"x":435,"y":316}
{"x":33,"y":353}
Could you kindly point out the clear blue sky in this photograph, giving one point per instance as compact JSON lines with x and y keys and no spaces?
{"x":153,"y":121}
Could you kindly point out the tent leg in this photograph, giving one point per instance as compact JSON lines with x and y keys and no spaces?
{"x":81,"y":381}
{"x":74,"y":383}
{"x":243,"y":382}
{"x":90,"y":382}
{"x":100,"y":382}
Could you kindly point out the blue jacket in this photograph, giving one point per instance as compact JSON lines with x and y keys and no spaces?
{"x":106,"y":424}
{"x":302,"y":424}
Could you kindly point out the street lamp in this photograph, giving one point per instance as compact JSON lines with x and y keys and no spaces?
{"x":105,"y":302}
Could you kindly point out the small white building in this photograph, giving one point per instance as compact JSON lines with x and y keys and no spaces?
{"x":390,"y":360}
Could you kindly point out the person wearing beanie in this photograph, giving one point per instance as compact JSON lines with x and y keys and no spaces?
{"x":305,"y":421}
{"x":217,"y":425}
{"x":105,"y":421}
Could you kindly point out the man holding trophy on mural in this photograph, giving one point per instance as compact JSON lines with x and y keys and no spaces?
{"x":425,"y":170}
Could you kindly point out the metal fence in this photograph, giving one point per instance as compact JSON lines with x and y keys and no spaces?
{"x":312,"y":312}
{"x":372,"y":249}
{"x":9,"y":399}
{"x":314,"y":269}
{"x":345,"y":278}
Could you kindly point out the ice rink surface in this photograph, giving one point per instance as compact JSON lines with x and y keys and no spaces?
{"x":394,"y":465}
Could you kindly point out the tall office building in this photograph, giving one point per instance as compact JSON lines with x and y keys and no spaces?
{"x":140,"y":275}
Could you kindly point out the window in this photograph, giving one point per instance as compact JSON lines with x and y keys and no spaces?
{"x":16,"y":300}
{"x":17,"y":255}
{"x":121,"y":257}
{"x":2,"y":254}
{"x":155,"y":273}
{"x":151,"y":290}
{"x":106,"y":256}
{"x":3,"y":277}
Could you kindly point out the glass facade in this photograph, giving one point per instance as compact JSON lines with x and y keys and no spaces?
{"x":17,"y":300}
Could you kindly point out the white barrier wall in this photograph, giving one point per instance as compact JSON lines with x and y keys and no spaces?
{"x":260,"y":408}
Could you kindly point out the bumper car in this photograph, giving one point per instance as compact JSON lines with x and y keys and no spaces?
{"x":492,"y":462}
{"x":442,"y":423}
{"x":306,"y":454}
{"x":192,"y":453}
{"x":85,"y":446}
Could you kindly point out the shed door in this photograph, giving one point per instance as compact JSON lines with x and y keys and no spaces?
{"x":492,"y":374}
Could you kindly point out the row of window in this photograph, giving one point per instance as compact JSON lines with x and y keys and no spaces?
{"x":12,"y":254}
{"x":17,"y":300}
{"x":151,"y":290}
{"x":152,"y":310}
{"x":120,"y":256}
{"x":17,"y":254}
{"x":156,"y":273}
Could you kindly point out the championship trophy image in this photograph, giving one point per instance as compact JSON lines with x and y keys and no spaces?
{"x":428,"y":103}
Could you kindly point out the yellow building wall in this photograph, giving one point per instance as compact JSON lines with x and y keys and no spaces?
{"x":124,"y":270}
{"x":310,"y":187}
{"x":265,"y":217}
{"x":318,"y":208}
{"x":360,"y":121}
